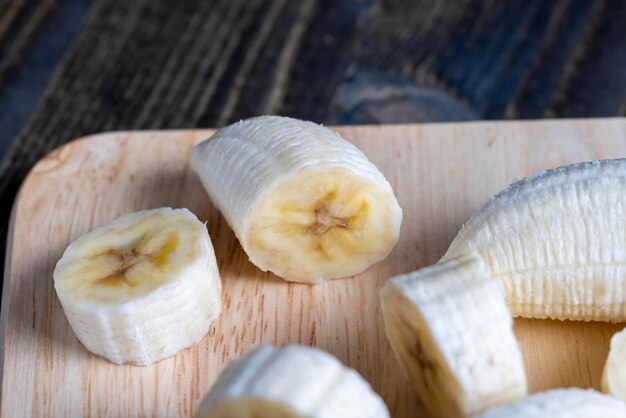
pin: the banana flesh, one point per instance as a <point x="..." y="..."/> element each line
<point x="614" y="374"/>
<point x="290" y="382"/>
<point x="554" y="241"/>
<point x="304" y="203"/>
<point x="562" y="403"/>
<point x="451" y="332"/>
<point x="142" y="287"/>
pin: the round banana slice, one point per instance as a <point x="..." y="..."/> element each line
<point x="561" y="403"/>
<point x="291" y="382"/>
<point x="554" y="241"/>
<point x="614" y="374"/>
<point x="305" y="204"/>
<point x="142" y="287"/>
<point x="452" y="333"/>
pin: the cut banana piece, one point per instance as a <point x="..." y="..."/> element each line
<point x="614" y="374"/>
<point x="305" y="204"/>
<point x="291" y="382"/>
<point x="142" y="287"/>
<point x="561" y="403"/>
<point x="452" y="333"/>
<point x="555" y="242"/>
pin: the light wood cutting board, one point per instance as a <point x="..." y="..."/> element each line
<point x="441" y="173"/>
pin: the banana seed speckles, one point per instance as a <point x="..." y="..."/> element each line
<point x="142" y="287"/>
<point x="305" y="204"/>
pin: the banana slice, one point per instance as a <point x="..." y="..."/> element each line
<point x="561" y="403"/>
<point x="614" y="374"/>
<point x="554" y="241"/>
<point x="305" y="204"/>
<point x="452" y="333"/>
<point x="142" y="287"/>
<point x="291" y="382"/>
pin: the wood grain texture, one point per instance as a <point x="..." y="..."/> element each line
<point x="441" y="175"/>
<point x="164" y="64"/>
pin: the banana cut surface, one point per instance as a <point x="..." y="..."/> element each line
<point x="142" y="287"/>
<point x="452" y="334"/>
<point x="555" y="242"/>
<point x="290" y="382"/>
<point x="304" y="203"/>
<point x="561" y="403"/>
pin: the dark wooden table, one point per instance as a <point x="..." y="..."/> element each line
<point x="74" y="67"/>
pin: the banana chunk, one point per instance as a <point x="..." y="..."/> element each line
<point x="304" y="203"/>
<point x="561" y="403"/>
<point x="291" y="382"/>
<point x="555" y="242"/>
<point x="452" y="333"/>
<point x="614" y="374"/>
<point x="142" y="287"/>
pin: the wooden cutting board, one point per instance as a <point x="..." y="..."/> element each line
<point x="441" y="173"/>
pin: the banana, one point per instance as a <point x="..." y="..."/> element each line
<point x="290" y="382"/>
<point x="555" y="242"/>
<point x="142" y="287"/>
<point x="304" y="203"/>
<point x="614" y="374"/>
<point x="452" y="333"/>
<point x="561" y="403"/>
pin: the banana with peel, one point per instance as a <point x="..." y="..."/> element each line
<point x="304" y="203"/>
<point x="561" y="403"/>
<point x="290" y="382"/>
<point x="555" y="242"/>
<point x="142" y="287"/>
<point x="452" y="333"/>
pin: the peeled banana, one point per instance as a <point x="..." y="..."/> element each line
<point x="555" y="241"/>
<point x="561" y="403"/>
<point x="304" y="203"/>
<point x="614" y="374"/>
<point x="452" y="333"/>
<point x="142" y="287"/>
<point x="290" y="382"/>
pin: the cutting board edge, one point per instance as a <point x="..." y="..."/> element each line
<point x="209" y="131"/>
<point x="99" y="136"/>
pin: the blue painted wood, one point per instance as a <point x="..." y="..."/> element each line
<point x="595" y="83"/>
<point x="21" y="89"/>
